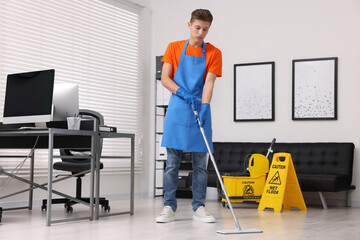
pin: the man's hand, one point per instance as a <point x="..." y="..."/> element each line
<point x="188" y="98"/>
<point x="205" y="108"/>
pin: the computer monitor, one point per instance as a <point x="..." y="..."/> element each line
<point x="28" y="97"/>
<point x="65" y="101"/>
<point x="33" y="97"/>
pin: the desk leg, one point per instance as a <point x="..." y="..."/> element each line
<point x="92" y="170"/>
<point x="132" y="176"/>
<point x="50" y="175"/>
<point x="31" y="180"/>
<point x="97" y="171"/>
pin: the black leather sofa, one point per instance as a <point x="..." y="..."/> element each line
<point x="320" y="167"/>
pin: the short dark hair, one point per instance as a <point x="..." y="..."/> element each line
<point x="201" y="14"/>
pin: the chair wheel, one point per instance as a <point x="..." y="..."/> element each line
<point x="43" y="207"/>
<point x="67" y="205"/>
<point x="69" y="209"/>
<point x="107" y="208"/>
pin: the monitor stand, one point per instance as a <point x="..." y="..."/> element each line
<point x="40" y="125"/>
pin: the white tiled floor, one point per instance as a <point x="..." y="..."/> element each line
<point x="316" y="223"/>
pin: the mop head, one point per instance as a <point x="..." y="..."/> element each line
<point x="239" y="231"/>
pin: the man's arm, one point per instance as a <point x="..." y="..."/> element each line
<point x="208" y="87"/>
<point x="167" y="72"/>
<point x="206" y="97"/>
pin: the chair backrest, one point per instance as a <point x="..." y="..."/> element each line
<point x="90" y="115"/>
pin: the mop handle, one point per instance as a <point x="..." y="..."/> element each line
<point x="216" y="169"/>
<point x="270" y="149"/>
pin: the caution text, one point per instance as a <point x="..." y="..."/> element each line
<point x="278" y="166"/>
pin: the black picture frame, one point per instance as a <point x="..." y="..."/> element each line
<point x="254" y="91"/>
<point x="314" y="89"/>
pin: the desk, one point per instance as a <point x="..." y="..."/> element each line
<point x="64" y="138"/>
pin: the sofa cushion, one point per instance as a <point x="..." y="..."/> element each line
<point x="230" y="156"/>
<point x="323" y="183"/>
<point x="320" y="158"/>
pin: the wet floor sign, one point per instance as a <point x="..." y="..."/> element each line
<point x="282" y="186"/>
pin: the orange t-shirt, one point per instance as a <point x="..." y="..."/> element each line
<point x="213" y="56"/>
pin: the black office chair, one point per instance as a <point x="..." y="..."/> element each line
<point x="78" y="165"/>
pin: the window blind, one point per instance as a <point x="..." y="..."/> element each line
<point x="96" y="44"/>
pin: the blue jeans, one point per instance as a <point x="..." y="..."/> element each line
<point x="171" y="174"/>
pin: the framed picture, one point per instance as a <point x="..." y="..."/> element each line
<point x="314" y="91"/>
<point x="254" y="91"/>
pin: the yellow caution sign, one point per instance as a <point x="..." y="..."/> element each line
<point x="282" y="186"/>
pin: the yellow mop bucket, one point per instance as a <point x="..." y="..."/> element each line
<point x="244" y="188"/>
<point x="248" y="188"/>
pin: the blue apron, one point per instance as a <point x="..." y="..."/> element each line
<point x="180" y="128"/>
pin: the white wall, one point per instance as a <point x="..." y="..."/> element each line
<point x="280" y="31"/>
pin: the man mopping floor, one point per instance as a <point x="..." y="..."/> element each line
<point x="189" y="72"/>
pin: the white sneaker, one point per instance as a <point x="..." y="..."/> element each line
<point x="166" y="215"/>
<point x="202" y="215"/>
